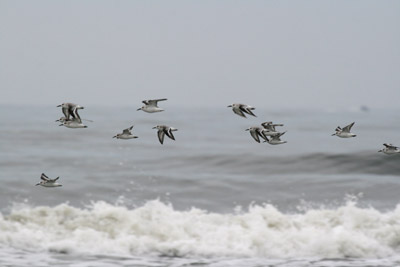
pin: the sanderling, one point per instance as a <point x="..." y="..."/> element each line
<point x="164" y="130"/>
<point x="276" y="139"/>
<point x="240" y="109"/>
<point x="47" y="182"/>
<point x="70" y="109"/>
<point x="390" y="149"/>
<point x="269" y="128"/>
<point x="345" y="132"/>
<point x="74" y="123"/>
<point x="256" y="133"/>
<point x="150" y="106"/>
<point x="126" y="134"/>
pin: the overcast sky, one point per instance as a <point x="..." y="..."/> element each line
<point x="318" y="54"/>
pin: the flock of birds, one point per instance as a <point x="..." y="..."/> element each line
<point x="267" y="131"/>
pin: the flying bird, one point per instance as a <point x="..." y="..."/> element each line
<point x="74" y="123"/>
<point x="390" y="149"/>
<point x="241" y="109"/>
<point x="164" y="130"/>
<point x="70" y="109"/>
<point x="276" y="139"/>
<point x="256" y="133"/>
<point x="126" y="134"/>
<point x="150" y="106"/>
<point x="345" y="132"/>
<point x="47" y="182"/>
<point x="269" y="128"/>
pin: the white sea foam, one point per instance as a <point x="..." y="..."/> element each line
<point x="156" y="228"/>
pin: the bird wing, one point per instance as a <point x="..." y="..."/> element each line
<point x="261" y="133"/>
<point x="53" y="180"/>
<point x="128" y="130"/>
<point x="389" y="146"/>
<point x="267" y="125"/>
<point x="44" y="177"/>
<point x="169" y="133"/>
<point x="278" y="136"/>
<point x="247" y="109"/>
<point x="65" y="110"/>
<point x="348" y="127"/>
<point x="153" y="102"/>
<point x="159" y="99"/>
<point x="75" y="114"/>
<point x="239" y="112"/>
<point x="161" y="134"/>
<point x="255" y="134"/>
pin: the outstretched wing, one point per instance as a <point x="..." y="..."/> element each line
<point x="348" y="127"/>
<point x="267" y="125"/>
<point x="153" y="102"/>
<point x="128" y="130"/>
<point x="169" y="133"/>
<point x="278" y="136"/>
<point x="239" y="112"/>
<point x="390" y="146"/>
<point x="44" y="177"/>
<point x="161" y="134"/>
<point x="160" y="99"/>
<point x="248" y="110"/>
<point x="75" y="114"/>
<point x="65" y="110"/>
<point x="261" y="133"/>
<point x="254" y="133"/>
<point x="53" y="180"/>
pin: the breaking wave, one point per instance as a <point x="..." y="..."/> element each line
<point x="157" y="228"/>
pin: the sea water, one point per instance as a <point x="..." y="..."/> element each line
<point x="213" y="197"/>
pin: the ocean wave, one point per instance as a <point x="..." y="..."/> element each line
<point x="323" y="163"/>
<point x="157" y="228"/>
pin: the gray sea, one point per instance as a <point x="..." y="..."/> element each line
<point x="213" y="197"/>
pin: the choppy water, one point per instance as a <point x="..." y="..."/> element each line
<point x="213" y="197"/>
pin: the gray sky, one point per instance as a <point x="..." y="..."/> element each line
<point x="280" y="54"/>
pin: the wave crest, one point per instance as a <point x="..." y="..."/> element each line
<point x="157" y="228"/>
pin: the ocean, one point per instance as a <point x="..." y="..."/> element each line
<point x="213" y="197"/>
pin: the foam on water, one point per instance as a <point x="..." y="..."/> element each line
<point x="157" y="228"/>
